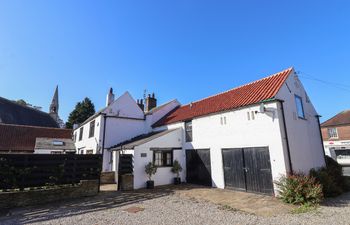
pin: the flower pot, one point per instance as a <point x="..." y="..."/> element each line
<point x="150" y="184"/>
<point x="177" y="180"/>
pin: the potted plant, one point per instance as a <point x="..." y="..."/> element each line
<point x="150" y="170"/>
<point x="177" y="169"/>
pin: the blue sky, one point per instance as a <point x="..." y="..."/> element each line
<point x="178" y="49"/>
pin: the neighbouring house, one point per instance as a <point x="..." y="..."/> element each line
<point x="244" y="138"/>
<point x="122" y="119"/>
<point x="336" y="139"/>
<point x="27" y="139"/>
<point x="54" y="146"/>
<point x="14" y="113"/>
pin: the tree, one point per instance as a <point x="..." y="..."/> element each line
<point x="22" y="102"/>
<point x="83" y="110"/>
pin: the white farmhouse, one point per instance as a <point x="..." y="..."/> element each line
<point x="243" y="139"/>
<point x="122" y="119"/>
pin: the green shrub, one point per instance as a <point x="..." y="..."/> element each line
<point x="150" y="170"/>
<point x="299" y="189"/>
<point x="331" y="178"/>
<point x="177" y="168"/>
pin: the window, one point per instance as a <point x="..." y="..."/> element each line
<point x="92" y="129"/>
<point x="332" y="133"/>
<point x="300" y="107"/>
<point x="188" y="131"/>
<point x="75" y="137"/>
<point x="163" y="158"/>
<point x="253" y="115"/>
<point x="248" y="113"/>
<point x="223" y="120"/>
<point x="81" y="133"/>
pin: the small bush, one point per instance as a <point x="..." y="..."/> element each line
<point x="331" y="178"/>
<point x="150" y="170"/>
<point x="177" y="168"/>
<point x="300" y="189"/>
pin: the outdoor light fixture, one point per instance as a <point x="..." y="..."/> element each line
<point x="262" y="108"/>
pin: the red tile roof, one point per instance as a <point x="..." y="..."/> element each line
<point x="245" y="95"/>
<point x="342" y="118"/>
<point x="19" y="138"/>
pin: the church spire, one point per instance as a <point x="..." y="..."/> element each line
<point x="54" y="106"/>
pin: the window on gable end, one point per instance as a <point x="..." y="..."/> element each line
<point x="188" y="131"/>
<point x="300" y="107"/>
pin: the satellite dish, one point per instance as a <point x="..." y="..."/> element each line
<point x="262" y="108"/>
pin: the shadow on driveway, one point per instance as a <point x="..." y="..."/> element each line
<point x="340" y="201"/>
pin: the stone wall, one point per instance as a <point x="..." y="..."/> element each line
<point x="35" y="197"/>
<point x="108" y="177"/>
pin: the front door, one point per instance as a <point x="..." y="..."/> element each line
<point x="198" y="169"/>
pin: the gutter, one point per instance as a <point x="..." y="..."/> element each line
<point x="286" y="134"/>
<point x="322" y="141"/>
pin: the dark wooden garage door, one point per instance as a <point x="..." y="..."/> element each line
<point x="248" y="169"/>
<point x="198" y="169"/>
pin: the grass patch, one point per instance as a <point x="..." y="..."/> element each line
<point x="305" y="208"/>
<point x="228" y="208"/>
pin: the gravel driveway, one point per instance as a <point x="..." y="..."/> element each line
<point x="165" y="207"/>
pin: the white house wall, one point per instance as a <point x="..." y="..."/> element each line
<point x="238" y="132"/>
<point x="164" y="175"/>
<point x="89" y="143"/>
<point x="304" y="136"/>
<point x="160" y="113"/>
<point x="125" y="106"/>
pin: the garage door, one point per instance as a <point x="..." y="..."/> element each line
<point x="198" y="169"/>
<point x="248" y="169"/>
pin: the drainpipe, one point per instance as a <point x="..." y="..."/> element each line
<point x="319" y="126"/>
<point x="103" y="146"/>
<point x="287" y="140"/>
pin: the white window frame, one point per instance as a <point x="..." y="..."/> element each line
<point x="332" y="132"/>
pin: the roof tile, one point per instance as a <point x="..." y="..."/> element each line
<point x="22" y="138"/>
<point x="248" y="94"/>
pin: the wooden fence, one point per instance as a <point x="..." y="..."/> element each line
<point x="36" y="170"/>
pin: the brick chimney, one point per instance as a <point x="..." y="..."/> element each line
<point x="151" y="102"/>
<point x="140" y="104"/>
<point x="110" y="97"/>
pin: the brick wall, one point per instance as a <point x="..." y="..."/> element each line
<point x="108" y="177"/>
<point x="343" y="133"/>
<point x="35" y="197"/>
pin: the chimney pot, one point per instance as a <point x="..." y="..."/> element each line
<point x="110" y="97"/>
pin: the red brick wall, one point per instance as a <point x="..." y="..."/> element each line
<point x="343" y="133"/>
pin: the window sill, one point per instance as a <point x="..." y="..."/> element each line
<point x="302" y="118"/>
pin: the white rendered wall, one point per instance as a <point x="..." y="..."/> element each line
<point x="238" y="132"/>
<point x="164" y="175"/>
<point x="305" y="141"/>
<point x="89" y="143"/>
